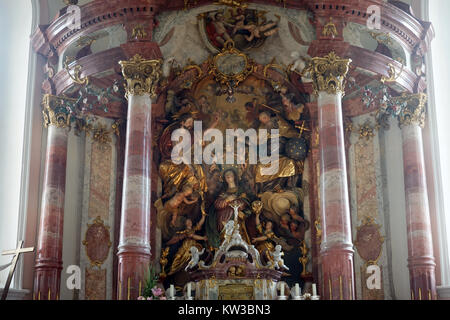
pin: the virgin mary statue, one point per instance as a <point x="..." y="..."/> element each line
<point x="221" y="211"/>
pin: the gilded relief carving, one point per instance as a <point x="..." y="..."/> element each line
<point x="197" y="199"/>
<point x="142" y="76"/>
<point x="247" y="28"/>
<point x="328" y="73"/>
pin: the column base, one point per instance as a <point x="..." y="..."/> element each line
<point x="133" y="271"/>
<point x="47" y="282"/>
<point x="337" y="274"/>
<point x="422" y="277"/>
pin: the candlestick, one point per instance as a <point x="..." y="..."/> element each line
<point x="172" y="290"/>
<point x="189" y="290"/>
<point x="282" y="289"/>
<point x="314" y="290"/>
<point x="297" y="290"/>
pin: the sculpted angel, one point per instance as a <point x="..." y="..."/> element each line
<point x="278" y="261"/>
<point x="190" y="239"/>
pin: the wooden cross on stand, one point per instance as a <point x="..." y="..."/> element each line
<point x="16" y="253"/>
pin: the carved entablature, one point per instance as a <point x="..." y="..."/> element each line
<point x="142" y="75"/>
<point x="103" y="13"/>
<point x="413" y="111"/>
<point x="328" y="73"/>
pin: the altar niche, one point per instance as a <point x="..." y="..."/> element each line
<point x="196" y="199"/>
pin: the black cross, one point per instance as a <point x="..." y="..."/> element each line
<point x="16" y="253"/>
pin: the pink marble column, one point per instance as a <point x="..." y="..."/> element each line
<point x="336" y="251"/>
<point x="421" y="262"/>
<point x="47" y="279"/>
<point x="134" y="243"/>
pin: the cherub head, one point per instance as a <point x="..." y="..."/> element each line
<point x="188" y="223"/>
<point x="194" y="250"/>
<point x="264" y="117"/>
<point x="187" y="190"/>
<point x="269" y="225"/>
<point x="278" y="248"/>
<point x="219" y="16"/>
<point x="293" y="226"/>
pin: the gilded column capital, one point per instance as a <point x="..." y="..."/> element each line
<point x="57" y="111"/>
<point x="328" y="73"/>
<point x="412" y="109"/>
<point x="142" y="75"/>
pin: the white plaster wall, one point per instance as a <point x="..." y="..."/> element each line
<point x="15" y="26"/>
<point x="72" y="208"/>
<point x="395" y="211"/>
<point x="380" y="219"/>
<point x="85" y="177"/>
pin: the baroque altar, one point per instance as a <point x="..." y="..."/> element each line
<point x="236" y="272"/>
<point x="332" y="88"/>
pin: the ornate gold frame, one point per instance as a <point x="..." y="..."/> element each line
<point x="98" y="221"/>
<point x="370" y="221"/>
<point x="235" y="79"/>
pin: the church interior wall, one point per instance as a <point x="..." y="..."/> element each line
<point x="375" y="166"/>
<point x="395" y="211"/>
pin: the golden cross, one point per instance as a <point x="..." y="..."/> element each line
<point x="302" y="128"/>
<point x="16" y="253"/>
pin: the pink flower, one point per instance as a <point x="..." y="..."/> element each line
<point x="163" y="298"/>
<point x="141" y="298"/>
<point x="150" y="298"/>
<point x="157" y="291"/>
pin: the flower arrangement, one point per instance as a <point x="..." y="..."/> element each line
<point x="151" y="290"/>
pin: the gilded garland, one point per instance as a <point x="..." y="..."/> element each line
<point x="56" y="112"/>
<point x="142" y="76"/>
<point x="413" y="113"/>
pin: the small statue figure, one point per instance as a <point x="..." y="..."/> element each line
<point x="195" y="258"/>
<point x="186" y="196"/>
<point x="330" y="30"/>
<point x="278" y="261"/>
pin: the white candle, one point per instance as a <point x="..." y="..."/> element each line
<point x="314" y="289"/>
<point x="172" y="291"/>
<point x="297" y="290"/>
<point x="282" y="289"/>
<point x="189" y="290"/>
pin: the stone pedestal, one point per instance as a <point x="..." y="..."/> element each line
<point x="336" y="253"/>
<point x="134" y="245"/>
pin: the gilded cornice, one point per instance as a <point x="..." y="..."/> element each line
<point x="57" y="111"/>
<point x="142" y="76"/>
<point x="413" y="111"/>
<point x="328" y="73"/>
